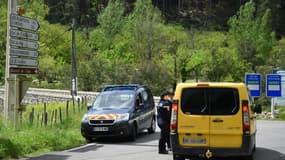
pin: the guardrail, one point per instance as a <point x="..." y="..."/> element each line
<point x="36" y="95"/>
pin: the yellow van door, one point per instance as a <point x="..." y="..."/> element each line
<point x="194" y="131"/>
<point x="225" y="118"/>
<point x="193" y="122"/>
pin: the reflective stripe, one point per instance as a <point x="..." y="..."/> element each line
<point x="103" y="116"/>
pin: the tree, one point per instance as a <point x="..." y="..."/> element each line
<point x="111" y="22"/>
<point x="277" y="57"/>
<point x="144" y="27"/>
<point x="252" y="35"/>
<point x="3" y="31"/>
<point x="213" y="58"/>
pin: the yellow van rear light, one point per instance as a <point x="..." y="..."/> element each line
<point x="245" y="116"/>
<point x="203" y="85"/>
<point x="174" y="112"/>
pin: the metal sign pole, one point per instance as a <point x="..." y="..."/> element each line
<point x="272" y="108"/>
<point x="11" y="83"/>
<point x="21" y="58"/>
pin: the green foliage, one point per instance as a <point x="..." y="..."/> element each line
<point x="143" y="26"/>
<point x="252" y="35"/>
<point x="111" y="19"/>
<point x="123" y="45"/>
<point x="278" y="55"/>
<point x="3" y="32"/>
<point x="281" y="113"/>
<point x="133" y="44"/>
<point x="38" y="139"/>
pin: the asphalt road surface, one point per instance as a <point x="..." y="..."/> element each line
<point x="270" y="146"/>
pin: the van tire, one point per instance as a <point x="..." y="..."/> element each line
<point x="178" y="157"/>
<point x="133" y="134"/>
<point x="152" y="127"/>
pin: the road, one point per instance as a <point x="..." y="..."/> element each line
<point x="270" y="146"/>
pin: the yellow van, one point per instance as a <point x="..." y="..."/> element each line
<point x="213" y="120"/>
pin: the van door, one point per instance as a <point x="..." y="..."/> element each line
<point x="140" y="111"/>
<point x="225" y="117"/>
<point x="193" y="126"/>
<point x="149" y="108"/>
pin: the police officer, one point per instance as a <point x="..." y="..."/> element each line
<point x="163" y="119"/>
<point x="170" y="99"/>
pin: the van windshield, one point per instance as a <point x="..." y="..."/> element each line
<point x="113" y="100"/>
<point x="210" y="101"/>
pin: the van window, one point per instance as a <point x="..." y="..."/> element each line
<point x="194" y="101"/>
<point x="223" y="101"/>
<point x="210" y="101"/>
<point x="110" y="100"/>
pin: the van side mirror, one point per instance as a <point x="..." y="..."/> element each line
<point x="89" y="107"/>
<point x="257" y="109"/>
<point x="139" y="105"/>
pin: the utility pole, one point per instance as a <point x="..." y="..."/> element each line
<point x="74" y="67"/>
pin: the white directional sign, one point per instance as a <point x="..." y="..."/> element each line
<point x="23" y="34"/>
<point x="22" y="52"/>
<point x="24" y="22"/>
<point x="23" y="61"/>
<point x="23" y="43"/>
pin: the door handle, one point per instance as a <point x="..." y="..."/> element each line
<point x="217" y="120"/>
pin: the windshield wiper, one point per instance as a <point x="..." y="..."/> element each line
<point x="203" y="110"/>
<point x="107" y="108"/>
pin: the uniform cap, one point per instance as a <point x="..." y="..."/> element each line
<point x="163" y="93"/>
<point x="171" y="92"/>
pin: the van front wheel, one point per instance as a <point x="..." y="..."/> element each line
<point x="178" y="157"/>
<point x="133" y="134"/>
<point x="152" y="127"/>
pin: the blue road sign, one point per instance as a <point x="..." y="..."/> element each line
<point x="273" y="85"/>
<point x="253" y="83"/>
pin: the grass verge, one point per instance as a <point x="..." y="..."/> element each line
<point x="35" y="139"/>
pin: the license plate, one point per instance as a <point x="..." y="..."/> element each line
<point x="100" y="129"/>
<point x="194" y="140"/>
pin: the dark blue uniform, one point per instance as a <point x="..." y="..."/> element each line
<point x="163" y="119"/>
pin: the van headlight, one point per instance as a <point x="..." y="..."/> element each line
<point x="85" y="118"/>
<point x="123" y="117"/>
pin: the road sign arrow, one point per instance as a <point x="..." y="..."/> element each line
<point x="22" y="52"/>
<point x="23" y="61"/>
<point x="24" y="22"/>
<point x="23" y="34"/>
<point x="23" y="43"/>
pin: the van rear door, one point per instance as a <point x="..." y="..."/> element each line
<point x="225" y="117"/>
<point x="210" y="117"/>
<point x="193" y="126"/>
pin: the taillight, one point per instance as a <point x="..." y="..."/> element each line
<point x="173" y="122"/>
<point x="246" y="117"/>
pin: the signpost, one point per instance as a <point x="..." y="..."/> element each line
<point x="273" y="89"/>
<point x="23" y="43"/>
<point x="24" y="53"/>
<point x="280" y="101"/>
<point x="253" y="82"/>
<point x="23" y="22"/>
<point x="273" y="85"/>
<point x="21" y="59"/>
<point x="23" y="34"/>
<point x="23" y="62"/>
<point x="17" y="70"/>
